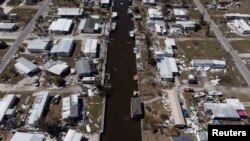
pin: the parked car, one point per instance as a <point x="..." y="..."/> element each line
<point x="188" y="90"/>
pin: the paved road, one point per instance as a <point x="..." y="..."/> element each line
<point x="8" y="55"/>
<point x="225" y="43"/>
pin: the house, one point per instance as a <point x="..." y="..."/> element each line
<point x="89" y="25"/>
<point x="38" y="107"/>
<point x="149" y="2"/>
<point x="225" y="2"/>
<point x="160" y="27"/>
<point x="231" y="109"/>
<point x="241" y="27"/>
<point x="70" y="107"/>
<point x="56" y="67"/>
<point x="25" y="66"/>
<point x="90" y="48"/>
<point x="8" y="27"/>
<point x="20" y="136"/>
<point x="180" y="13"/>
<point x="237" y="16"/>
<point x="63" y="48"/>
<point x="165" y="49"/>
<point x="186" y="25"/>
<point x="154" y="14"/>
<point x="201" y="136"/>
<point x="69" y="12"/>
<point x="61" y="26"/>
<point x="85" y="68"/>
<point x="39" y="45"/>
<point x="6" y="103"/>
<point x="167" y="69"/>
<point x="218" y="64"/>
<point x="105" y="3"/>
<point x="182" y="138"/>
<point x="179" y="120"/>
<point x="72" y="135"/>
<point x="136" y="108"/>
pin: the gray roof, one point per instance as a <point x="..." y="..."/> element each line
<point x="19" y="136"/>
<point x="64" y="46"/>
<point x="70" y="106"/>
<point x="87" y="23"/>
<point x="38" y="107"/>
<point x="25" y="65"/>
<point x="82" y="66"/>
<point x="69" y="11"/>
<point x="61" y="25"/>
<point x="136" y="105"/>
<point x="7" y="25"/>
<point x="5" y="103"/>
<point x="39" y="43"/>
<point x="202" y="136"/>
<point x="181" y="138"/>
<point x="221" y="110"/>
<point x="55" y="67"/>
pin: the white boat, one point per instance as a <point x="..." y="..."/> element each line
<point x="132" y="34"/>
<point x="113" y="26"/>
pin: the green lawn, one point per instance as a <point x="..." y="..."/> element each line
<point x="204" y="49"/>
<point x="25" y="14"/>
<point x="241" y="46"/>
<point x="13" y="2"/>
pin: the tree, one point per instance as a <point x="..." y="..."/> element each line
<point x="52" y="126"/>
<point x="208" y="30"/>
<point x="3" y="45"/>
<point x="202" y="21"/>
<point x="59" y="81"/>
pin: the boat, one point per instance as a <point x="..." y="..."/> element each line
<point x="132" y="34"/>
<point x="113" y="26"/>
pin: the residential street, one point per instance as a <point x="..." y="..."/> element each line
<point x="12" y="50"/>
<point x="224" y="42"/>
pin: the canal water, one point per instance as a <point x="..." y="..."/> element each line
<point x="122" y="67"/>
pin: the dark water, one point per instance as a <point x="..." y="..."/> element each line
<point x="121" y="66"/>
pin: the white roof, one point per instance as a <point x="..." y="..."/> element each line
<point x="38" y="107"/>
<point x="7" y="25"/>
<point x="235" y="103"/>
<point x="154" y="13"/>
<point x="55" y="67"/>
<point x="148" y="1"/>
<point x="170" y="42"/>
<point x="238" y="15"/>
<point x="176" y="109"/>
<point x="186" y="24"/>
<point x="180" y="11"/>
<point x="70" y="106"/>
<point x="167" y="66"/>
<point x="69" y="11"/>
<point x="39" y="44"/>
<point x="5" y="103"/>
<point x="207" y="62"/>
<point x="25" y="65"/>
<point x="241" y="25"/>
<point x="64" y="46"/>
<point x="19" y="136"/>
<point x="90" y="46"/>
<point x="160" y="29"/>
<point x="72" y="135"/>
<point x="61" y="25"/>
<point x="105" y="1"/>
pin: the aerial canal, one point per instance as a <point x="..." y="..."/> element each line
<point x="121" y="66"/>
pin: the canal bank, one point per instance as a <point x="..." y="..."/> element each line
<point x="121" y="66"/>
